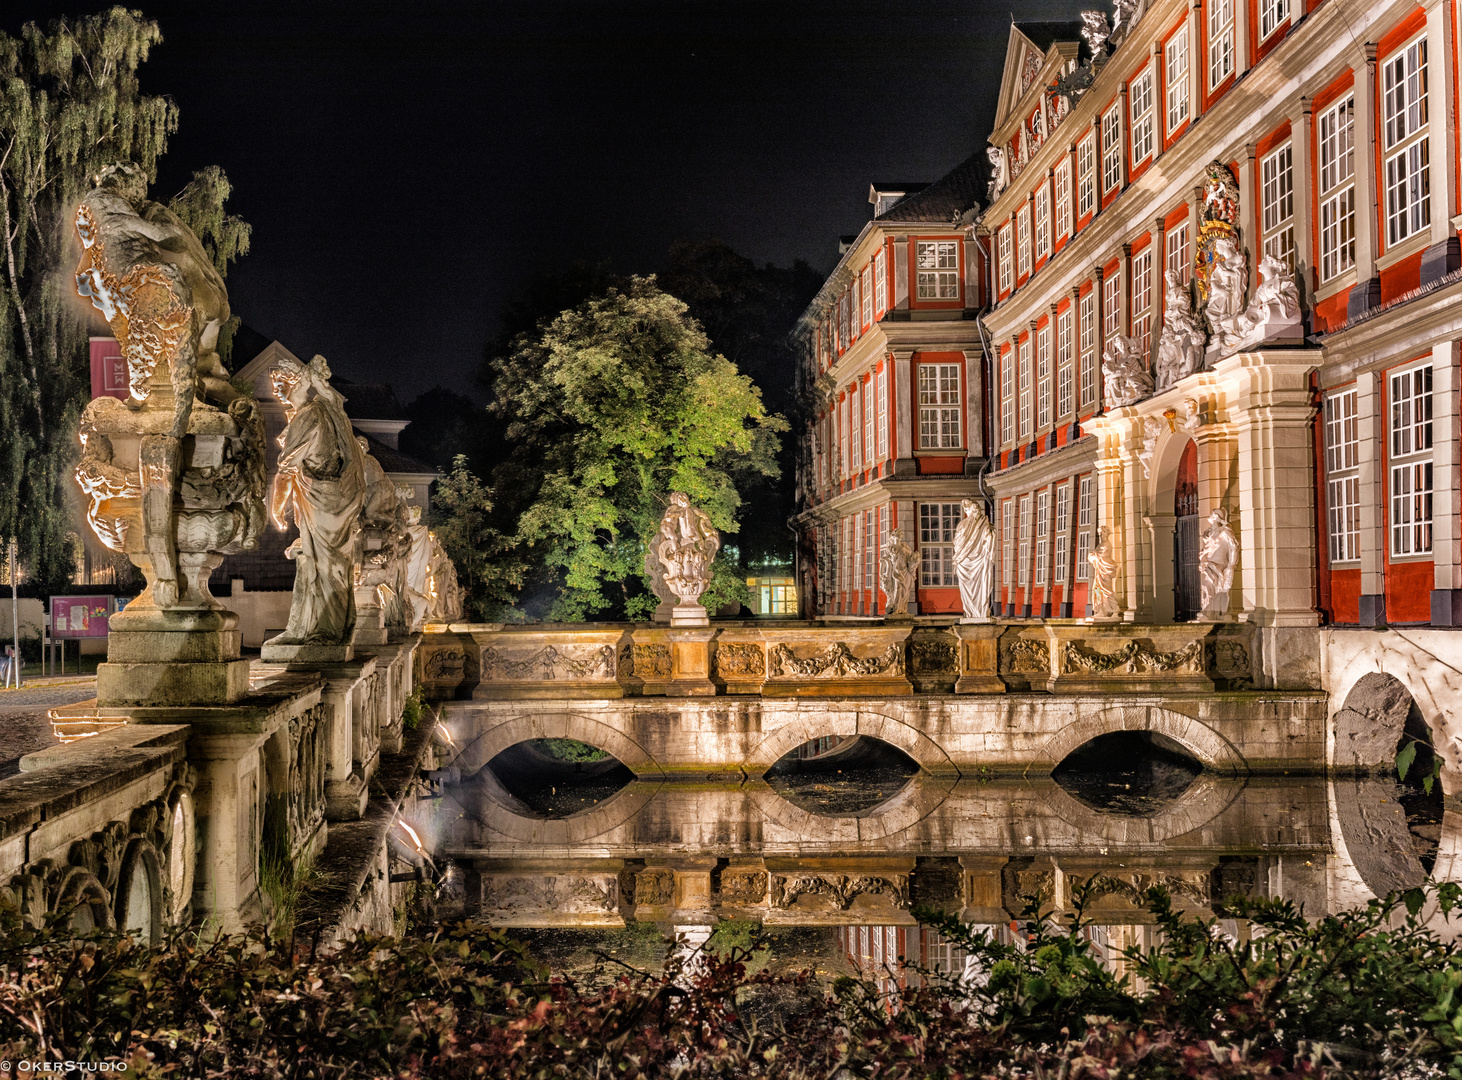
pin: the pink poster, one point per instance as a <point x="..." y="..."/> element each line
<point x="80" y="616"/>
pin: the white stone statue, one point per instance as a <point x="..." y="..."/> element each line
<point x="998" y="176"/>
<point x="685" y="546"/>
<point x="1126" y="16"/>
<point x="1192" y="417"/>
<point x="1228" y="280"/>
<point x="1274" y="312"/>
<point x="1218" y="557"/>
<point x="656" y="573"/>
<point x="1180" y="347"/>
<point x="321" y="484"/>
<point x="898" y="567"/>
<point x="1104" y="567"/>
<point x="103" y="482"/>
<point x="383" y="545"/>
<point x="446" y="593"/>
<point x="1124" y="372"/>
<point x="1151" y="431"/>
<point x="418" y="571"/>
<point x="974" y="562"/>
<point x="1094" y="31"/>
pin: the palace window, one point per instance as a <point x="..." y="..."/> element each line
<point x="1086" y="176"/>
<point x="1140" y="106"/>
<point x="856" y="305"/>
<point x="1142" y="296"/>
<point x="868" y="443"/>
<point x="1277" y="197"/>
<point x="870" y="557"/>
<point x="856" y="581"/>
<point x="1025" y="388"/>
<point x="1043" y="509"/>
<point x="856" y="428"/>
<point x="1088" y="352"/>
<point x="1085" y="511"/>
<point x="1342" y="478"/>
<point x="1408" y="169"/>
<point x="1023" y="549"/>
<point x="1411" y="461"/>
<point x="1111" y="149"/>
<point x="1023" y="241"/>
<point x="867" y="298"/>
<point x="1220" y="41"/>
<point x="1179" y="256"/>
<point x="846" y="584"/>
<point x="938" y="268"/>
<point x="844" y="461"/>
<point x="1007" y="266"/>
<point x="939" y="406"/>
<point x="1178" y="93"/>
<point x="883" y="515"/>
<point x="1063" y="525"/>
<point x="1005" y="540"/>
<point x="1007" y="396"/>
<point x="1272" y="15"/>
<point x="883" y="413"/>
<point x="1337" y="189"/>
<point x="1043" y="221"/>
<point x="1063" y="198"/>
<point x="1065" y="373"/>
<point x="1043" y="377"/>
<point x="1112" y="309"/>
<point x="937" y="522"/>
<point x="880" y="284"/>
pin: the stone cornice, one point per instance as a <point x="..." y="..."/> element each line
<point x="1057" y="465"/>
<point x="1406" y="332"/>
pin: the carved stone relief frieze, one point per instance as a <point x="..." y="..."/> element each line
<point x="740" y="660"/>
<point x="743" y="885"/>
<point x="1028" y="655"/>
<point x="933" y="658"/>
<point x="837" y="660"/>
<point x="1133" y="658"/>
<point x="549" y="663"/>
<point x="645" y="661"/>
<point x="838" y="889"/>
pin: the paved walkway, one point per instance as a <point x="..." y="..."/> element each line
<point x="24" y="725"/>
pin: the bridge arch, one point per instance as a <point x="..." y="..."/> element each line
<point x="557" y="725"/>
<point x="807" y="724"/>
<point x="1202" y="741"/>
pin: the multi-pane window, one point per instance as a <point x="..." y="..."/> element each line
<point x="937" y="263"/>
<point x="870" y="558"/>
<point x="1063" y="198"/>
<point x="1411" y="461"/>
<point x="1337" y="188"/>
<point x="1176" y="54"/>
<point x="856" y="428"/>
<point x="1007" y="396"/>
<point x="1043" y="522"/>
<point x="856" y="304"/>
<point x="1111" y="309"/>
<point x="938" y="406"/>
<point x="883" y="414"/>
<point x="1140" y="107"/>
<point x="856" y="581"/>
<point x="1088" y="352"/>
<point x="1024" y="407"/>
<point x="1007" y="265"/>
<point x="1342" y="479"/>
<point x="1043" y="221"/>
<point x="867" y="298"/>
<point x="883" y="516"/>
<point x="844" y="461"/>
<point x="1272" y="15"/>
<point x="1023" y="241"/>
<point x="1086" y="176"/>
<point x="1085" y="511"/>
<point x="1043" y="377"/>
<point x="1178" y="254"/>
<point x="880" y="284"/>
<point x="1023" y="548"/>
<point x="1006" y="528"/>
<point x="868" y="442"/>
<point x="1063" y="525"/>
<point x="1277" y="198"/>
<point x="937" y="522"/>
<point x="1141" y="296"/>
<point x="845" y="585"/>
<point x="1408" y="169"/>
<point x="1111" y="149"/>
<point x="1220" y="41"/>
<point x="1065" y="369"/>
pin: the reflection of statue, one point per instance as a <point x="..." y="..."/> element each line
<point x="1104" y="566"/>
<point x="1228" y="278"/>
<point x="321" y="483"/>
<point x="1180" y="348"/>
<point x="102" y="482"/>
<point x="685" y="545"/>
<point x="1124" y="372"/>
<point x="1218" y="556"/>
<point x="974" y="562"/>
<point x="898" y="564"/>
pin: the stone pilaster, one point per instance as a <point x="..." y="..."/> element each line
<point x="1446" y="486"/>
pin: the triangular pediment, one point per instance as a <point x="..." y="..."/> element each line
<point x="1023" y="60"/>
<point x="1035" y="56"/>
<point x="257" y="370"/>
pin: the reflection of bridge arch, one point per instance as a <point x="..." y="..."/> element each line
<point x="1207" y="745"/>
<point x="1204" y="800"/>
<point x="806" y="724"/>
<point x="557" y="725"/>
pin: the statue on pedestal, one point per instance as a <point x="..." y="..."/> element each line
<point x="321" y="483"/>
<point x="1104" y="567"/>
<point x="898" y="568"/>
<point x="1218" y="557"/>
<point x="1228" y="280"/>
<point x="685" y="546"/>
<point x="974" y="562"/>
<point x="1180" y="347"/>
<point x="383" y="545"/>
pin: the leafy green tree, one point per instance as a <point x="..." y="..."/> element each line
<point x="70" y="104"/>
<point x="488" y="572"/>
<point x="610" y="407"/>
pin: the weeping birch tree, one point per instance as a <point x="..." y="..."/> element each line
<point x="70" y="104"/>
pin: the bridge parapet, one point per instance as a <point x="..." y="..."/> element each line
<point x="805" y="659"/>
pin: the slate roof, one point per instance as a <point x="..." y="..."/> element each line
<point x="369" y="401"/>
<point x="1045" y="34"/>
<point x="394" y="461"/>
<point x="953" y="193"/>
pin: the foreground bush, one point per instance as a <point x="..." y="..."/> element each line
<point x="1369" y="992"/>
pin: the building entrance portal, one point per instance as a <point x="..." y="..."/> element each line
<point x="1186" y="599"/>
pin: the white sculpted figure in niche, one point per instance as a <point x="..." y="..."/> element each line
<point x="321" y="483"/>
<point x="1104" y="566"/>
<point x="685" y="545"/>
<point x="1218" y="557"/>
<point x="1180" y="348"/>
<point x="146" y="272"/>
<point x="1124" y="372"/>
<point x="1228" y="278"/>
<point x="898" y="564"/>
<point x="974" y="562"/>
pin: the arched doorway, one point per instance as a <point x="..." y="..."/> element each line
<point x="1186" y="597"/>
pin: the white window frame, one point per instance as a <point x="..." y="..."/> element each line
<point x="1112" y="149"/>
<point x="1043" y="377"/>
<point x="867" y="276"/>
<point x="1063" y="528"/>
<point x="1276" y="199"/>
<point x="1063" y="198"/>
<point x="1007" y="395"/>
<point x="855" y="411"/>
<point x="1023" y="400"/>
<point x="1406" y="165"/>
<point x="1335" y="131"/>
<point x="1023" y="547"/>
<point x="1088" y="351"/>
<point x="870" y="553"/>
<point x="1410" y="401"/>
<point x="1142" y="297"/>
<point x="1220" y="14"/>
<point x="937" y="265"/>
<point x="1043" y="222"/>
<point x="1023" y="242"/>
<point x="845" y="462"/>
<point x="939" y="407"/>
<point x="1007" y="531"/>
<point x="1178" y="85"/>
<point x="855" y="583"/>
<point x="1179" y="254"/>
<point x="1065" y="367"/>
<point x="1007" y="263"/>
<point x="868" y="423"/>
<point x="1085" y="519"/>
<point x="883" y="413"/>
<point x="937" y="523"/>
<point x="855" y="302"/>
<point x="1272" y="15"/>
<point x="1043" y="526"/>
<point x="1342" y="474"/>
<point x="1086" y="176"/>
<point x="880" y="284"/>
<point x="1111" y="309"/>
<point x="1142" y="123"/>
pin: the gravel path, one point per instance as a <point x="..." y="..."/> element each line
<point x="24" y="725"/>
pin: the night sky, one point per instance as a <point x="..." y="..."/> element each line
<point x="406" y="165"/>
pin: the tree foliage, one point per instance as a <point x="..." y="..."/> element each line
<point x="70" y="103"/>
<point x="488" y="572"/>
<point x="610" y="407"/>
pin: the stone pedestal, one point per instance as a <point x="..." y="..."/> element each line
<point x="690" y="670"/>
<point x="370" y="618"/>
<point x="172" y="657"/>
<point x="979" y="658"/>
<point x="689" y="615"/>
<point x="301" y="655"/>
